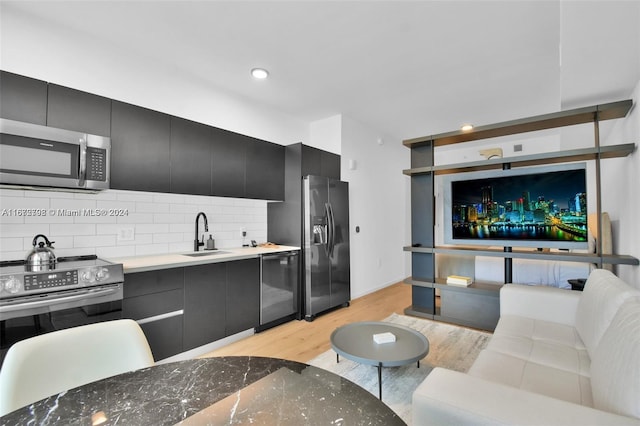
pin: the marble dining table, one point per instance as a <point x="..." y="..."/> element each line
<point x="213" y="391"/>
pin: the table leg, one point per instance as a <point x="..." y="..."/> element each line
<point x="380" y="380"/>
<point x="418" y="363"/>
<point x="337" y="358"/>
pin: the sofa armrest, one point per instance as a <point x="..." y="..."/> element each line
<point x="539" y="302"/>
<point x="448" y="397"/>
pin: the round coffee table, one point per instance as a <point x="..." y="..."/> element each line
<point x="355" y="342"/>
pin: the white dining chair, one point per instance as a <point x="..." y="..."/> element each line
<point x="50" y="363"/>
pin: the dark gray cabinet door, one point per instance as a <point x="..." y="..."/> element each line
<point x="228" y="162"/>
<point x="164" y="337"/>
<point x="243" y="295"/>
<point x="265" y="170"/>
<point x="318" y="162"/>
<point x="140" y="148"/>
<point x="190" y="157"/>
<point x="141" y="283"/>
<point x="23" y="98"/>
<point x="330" y="165"/>
<point x="149" y="294"/>
<point x="204" y="310"/>
<point x="80" y="111"/>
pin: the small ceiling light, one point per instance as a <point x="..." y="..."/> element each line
<point x="467" y="127"/>
<point x="259" y="73"/>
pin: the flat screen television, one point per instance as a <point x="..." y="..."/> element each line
<point x="542" y="207"/>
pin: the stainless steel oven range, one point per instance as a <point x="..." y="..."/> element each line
<point x="74" y="291"/>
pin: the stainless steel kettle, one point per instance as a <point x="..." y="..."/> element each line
<point x="41" y="258"/>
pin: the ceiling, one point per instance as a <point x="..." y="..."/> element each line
<point x="404" y="68"/>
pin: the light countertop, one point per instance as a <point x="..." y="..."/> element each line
<point x="175" y="260"/>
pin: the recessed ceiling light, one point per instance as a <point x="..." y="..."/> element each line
<point x="260" y="73"/>
<point x="467" y="127"/>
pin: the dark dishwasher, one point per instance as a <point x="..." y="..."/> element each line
<point x="278" y="288"/>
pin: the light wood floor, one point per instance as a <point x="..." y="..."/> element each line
<point x="302" y="341"/>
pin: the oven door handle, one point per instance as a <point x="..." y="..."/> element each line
<point x="46" y="301"/>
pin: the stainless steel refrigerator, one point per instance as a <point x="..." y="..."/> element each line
<point x="326" y="245"/>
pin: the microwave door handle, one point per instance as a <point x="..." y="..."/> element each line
<point x="82" y="173"/>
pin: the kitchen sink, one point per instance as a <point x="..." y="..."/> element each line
<point x="205" y="253"/>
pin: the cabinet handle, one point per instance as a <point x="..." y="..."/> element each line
<point x="160" y="317"/>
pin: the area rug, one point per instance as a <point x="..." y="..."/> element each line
<point x="450" y="347"/>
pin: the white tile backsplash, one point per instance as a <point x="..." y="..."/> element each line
<point x="162" y="223"/>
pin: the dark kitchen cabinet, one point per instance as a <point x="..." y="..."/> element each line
<point x="243" y="295"/>
<point x="80" y="111"/>
<point x="264" y="170"/>
<point x="204" y="311"/>
<point x="228" y="163"/>
<point x="190" y="157"/>
<point x="155" y="300"/>
<point x="284" y="220"/>
<point x="23" y="98"/>
<point x="164" y="337"/>
<point x="152" y="151"/>
<point x="318" y="162"/>
<point x="140" y="148"/>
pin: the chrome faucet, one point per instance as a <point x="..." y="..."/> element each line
<point x="196" y="243"/>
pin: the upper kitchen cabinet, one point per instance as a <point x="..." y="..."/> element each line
<point x="190" y="157"/>
<point x="80" y="111"/>
<point x="265" y="170"/>
<point x="320" y="163"/>
<point x="23" y="98"/>
<point x="140" y="148"/>
<point x="228" y="162"/>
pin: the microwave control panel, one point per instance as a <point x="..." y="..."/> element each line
<point x="96" y="164"/>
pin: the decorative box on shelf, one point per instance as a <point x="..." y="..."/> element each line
<point x="459" y="280"/>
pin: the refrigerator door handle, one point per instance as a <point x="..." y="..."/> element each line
<point x="332" y="230"/>
<point x="329" y="228"/>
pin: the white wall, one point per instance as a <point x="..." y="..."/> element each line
<point x="378" y="204"/>
<point x="620" y="183"/>
<point x="326" y="134"/>
<point x="160" y="223"/>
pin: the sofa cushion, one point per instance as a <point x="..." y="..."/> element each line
<point x="603" y="294"/>
<point x="533" y="377"/>
<point x="615" y="365"/>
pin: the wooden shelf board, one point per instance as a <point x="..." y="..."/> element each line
<point x="418" y="312"/>
<point x="476" y="286"/>
<point x="612" y="259"/>
<point x="418" y="282"/>
<point x="582" y="154"/>
<point x="530" y="124"/>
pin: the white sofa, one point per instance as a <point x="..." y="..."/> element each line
<point x="557" y="357"/>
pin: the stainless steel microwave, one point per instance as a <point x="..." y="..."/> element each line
<point x="41" y="156"/>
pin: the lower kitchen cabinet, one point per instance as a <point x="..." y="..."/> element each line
<point x="204" y="302"/>
<point x="155" y="300"/>
<point x="164" y="336"/>
<point x="243" y="295"/>
<point x="180" y="309"/>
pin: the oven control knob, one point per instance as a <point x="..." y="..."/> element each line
<point x="12" y="285"/>
<point x="87" y="276"/>
<point x="102" y="274"/>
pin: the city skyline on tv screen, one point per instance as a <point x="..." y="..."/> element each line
<point x="549" y="206"/>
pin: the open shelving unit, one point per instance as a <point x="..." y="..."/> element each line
<point x="477" y="305"/>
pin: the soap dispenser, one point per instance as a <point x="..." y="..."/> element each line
<point x="211" y="244"/>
